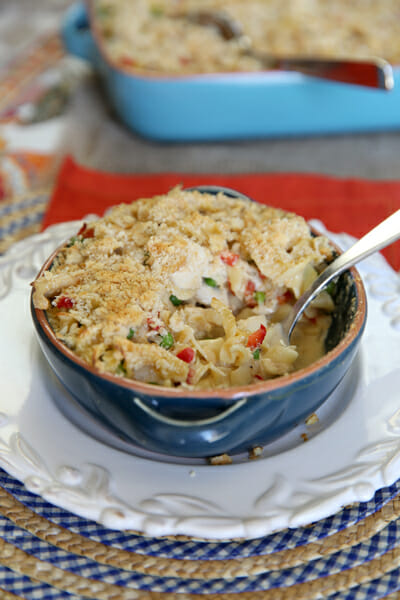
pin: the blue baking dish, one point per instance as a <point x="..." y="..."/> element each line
<point x="230" y="105"/>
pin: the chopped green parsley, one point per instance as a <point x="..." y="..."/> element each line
<point x="121" y="369"/>
<point x="146" y="257"/>
<point x="156" y="10"/>
<point x="259" y="297"/>
<point x="210" y="281"/>
<point x="331" y="287"/>
<point x="167" y="341"/>
<point x="72" y="241"/>
<point x="175" y="301"/>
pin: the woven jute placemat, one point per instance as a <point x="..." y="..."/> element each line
<point x="46" y="552"/>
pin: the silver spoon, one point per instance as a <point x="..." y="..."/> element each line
<point x="372" y="72"/>
<point x="387" y="232"/>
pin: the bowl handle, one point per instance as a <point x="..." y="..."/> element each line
<point x="76" y="33"/>
<point x="184" y="437"/>
<point x="216" y="419"/>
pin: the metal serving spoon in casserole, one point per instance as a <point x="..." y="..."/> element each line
<point x="372" y="72"/>
<point x="379" y="237"/>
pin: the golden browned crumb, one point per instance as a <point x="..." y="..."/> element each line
<point x="255" y="452"/>
<point x="221" y="459"/>
<point x="312" y="420"/>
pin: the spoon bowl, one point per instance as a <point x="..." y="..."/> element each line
<point x="384" y="234"/>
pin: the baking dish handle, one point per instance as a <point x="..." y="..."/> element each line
<point x="76" y="33"/>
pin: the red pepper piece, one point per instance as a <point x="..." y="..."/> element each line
<point x="89" y="233"/>
<point x="65" y="302"/>
<point x="312" y="320"/>
<point x="187" y="355"/>
<point x="286" y="297"/>
<point x="256" y="338"/>
<point x="86" y="232"/>
<point x="249" y="294"/>
<point x="229" y="258"/>
<point x="151" y="324"/>
<point x="190" y="376"/>
<point x="127" y="61"/>
<point x="250" y="288"/>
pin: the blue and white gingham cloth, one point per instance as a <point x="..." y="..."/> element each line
<point x="376" y="546"/>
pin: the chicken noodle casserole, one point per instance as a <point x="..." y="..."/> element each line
<point x="159" y="35"/>
<point x="187" y="289"/>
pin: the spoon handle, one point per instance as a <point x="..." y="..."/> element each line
<point x="374" y="72"/>
<point x="384" y="234"/>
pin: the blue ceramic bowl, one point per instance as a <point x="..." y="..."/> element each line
<point x="183" y="423"/>
<point x="221" y="106"/>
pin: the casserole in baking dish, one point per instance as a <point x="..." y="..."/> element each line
<point x="205" y="36"/>
<point x="210" y="105"/>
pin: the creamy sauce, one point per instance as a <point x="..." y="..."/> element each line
<point x="309" y="338"/>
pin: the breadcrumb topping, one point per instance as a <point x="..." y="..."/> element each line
<point x="185" y="288"/>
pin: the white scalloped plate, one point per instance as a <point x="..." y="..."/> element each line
<point x="351" y="452"/>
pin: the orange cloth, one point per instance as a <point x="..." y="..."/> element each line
<point x="21" y="172"/>
<point x="351" y="205"/>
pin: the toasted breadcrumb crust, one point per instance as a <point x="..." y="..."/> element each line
<point x="185" y="288"/>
